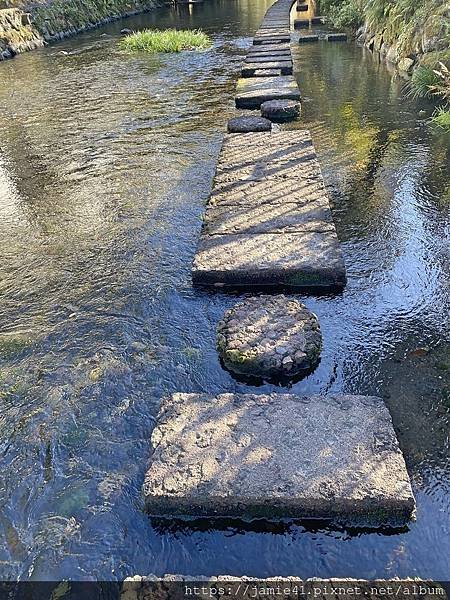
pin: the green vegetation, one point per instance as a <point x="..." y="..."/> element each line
<point x="63" y="15"/>
<point x="434" y="84"/>
<point x="344" y="14"/>
<point x="170" y="40"/>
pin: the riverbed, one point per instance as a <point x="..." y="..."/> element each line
<point x="106" y="162"/>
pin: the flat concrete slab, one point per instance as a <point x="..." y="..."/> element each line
<point x="285" y="67"/>
<point x="301" y="23"/>
<point x="267" y="48"/>
<point x="318" y="20"/>
<point x="263" y="58"/>
<point x="248" y="123"/>
<point x="306" y="39"/>
<point x="251" y="93"/>
<point x="273" y="218"/>
<point x="261" y="52"/>
<point x="311" y="261"/>
<point x="337" y="37"/>
<point x="272" y="456"/>
<point x="260" y="72"/>
<point x="271" y="39"/>
<point x="268" y="221"/>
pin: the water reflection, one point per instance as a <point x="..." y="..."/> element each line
<point x="106" y="161"/>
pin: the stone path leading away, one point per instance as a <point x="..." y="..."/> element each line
<point x="268" y="221"/>
<point x="332" y="457"/>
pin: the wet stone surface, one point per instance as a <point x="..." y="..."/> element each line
<point x="269" y="336"/>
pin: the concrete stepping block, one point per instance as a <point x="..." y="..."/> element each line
<point x="281" y="110"/>
<point x="251" y="58"/>
<point x="271" y="39"/>
<point x="317" y="20"/>
<point x="269" y="49"/>
<point x="301" y="23"/>
<point x="275" y="456"/>
<point x="306" y="39"/>
<point x="251" y="93"/>
<point x="284" y="66"/>
<point x="310" y="261"/>
<point x="270" y="218"/>
<point x="269" y="337"/>
<point x="248" y="123"/>
<point x="337" y="37"/>
<point x="260" y="72"/>
<point x="302" y="7"/>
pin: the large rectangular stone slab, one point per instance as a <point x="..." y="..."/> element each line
<point x="271" y="39"/>
<point x="251" y="93"/>
<point x="310" y="261"/>
<point x="272" y="218"/>
<point x="285" y="67"/>
<point x="272" y="456"/>
<point x="252" y="58"/>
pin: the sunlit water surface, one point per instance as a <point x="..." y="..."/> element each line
<point x="105" y="165"/>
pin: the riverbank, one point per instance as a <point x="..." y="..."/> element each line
<point x="24" y="28"/>
<point x="407" y="34"/>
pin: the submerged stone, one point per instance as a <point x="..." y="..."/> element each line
<point x="269" y="337"/>
<point x="274" y="456"/>
<point x="337" y="37"/>
<point x="245" y="124"/>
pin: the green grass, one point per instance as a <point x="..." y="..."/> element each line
<point x="441" y="118"/>
<point x="422" y="82"/>
<point x="169" y="40"/>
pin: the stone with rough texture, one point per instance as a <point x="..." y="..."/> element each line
<point x="284" y="66"/>
<point x="269" y="337"/>
<point x="252" y="92"/>
<point x="271" y="39"/>
<point x="248" y="123"/>
<point x="281" y="110"/>
<point x="268" y="221"/>
<point x="271" y="456"/>
<point x="305" y="39"/>
<point x="337" y="37"/>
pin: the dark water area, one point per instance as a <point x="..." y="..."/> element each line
<point x="106" y="162"/>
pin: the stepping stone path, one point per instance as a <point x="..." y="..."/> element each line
<point x="252" y="92"/>
<point x="246" y="124"/>
<point x="269" y="337"/>
<point x="281" y="110"/>
<point x="269" y="456"/>
<point x="268" y="222"/>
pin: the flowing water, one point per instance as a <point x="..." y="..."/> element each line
<point x="105" y="165"/>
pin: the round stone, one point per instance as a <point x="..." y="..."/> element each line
<point x="269" y="337"/>
<point x="246" y="124"/>
<point x="281" y="110"/>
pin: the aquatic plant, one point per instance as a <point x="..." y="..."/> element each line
<point x="169" y="40"/>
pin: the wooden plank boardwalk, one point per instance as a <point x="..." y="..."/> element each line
<point x="268" y="222"/>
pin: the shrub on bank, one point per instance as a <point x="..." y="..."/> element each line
<point x="169" y="40"/>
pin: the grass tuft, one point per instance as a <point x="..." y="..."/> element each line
<point x="169" y="40"/>
<point x="441" y="118"/>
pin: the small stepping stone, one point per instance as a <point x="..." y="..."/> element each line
<point x="285" y="67"/>
<point x="251" y="58"/>
<point x="264" y="73"/>
<point x="273" y="456"/>
<point x="245" y="124"/>
<point x="301" y="23"/>
<point x="270" y="39"/>
<point x="281" y="110"/>
<point x="302" y="8"/>
<point x="305" y="39"/>
<point x="270" y="337"/>
<point x="337" y="37"/>
<point x="317" y="20"/>
<point x="251" y="93"/>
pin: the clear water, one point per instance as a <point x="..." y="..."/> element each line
<point x="105" y="165"/>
